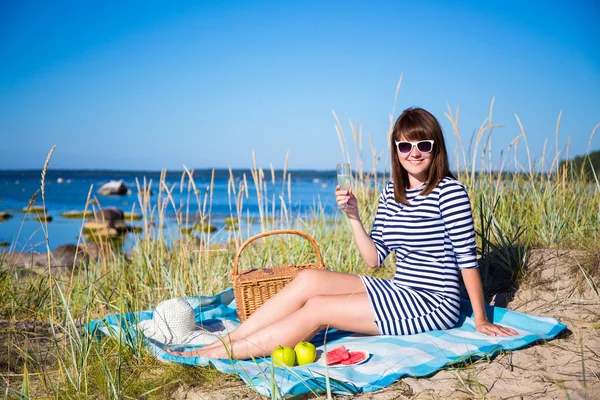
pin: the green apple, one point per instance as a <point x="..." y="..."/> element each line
<point x="305" y="353"/>
<point x="284" y="355"/>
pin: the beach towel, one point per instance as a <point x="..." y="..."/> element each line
<point x="390" y="357"/>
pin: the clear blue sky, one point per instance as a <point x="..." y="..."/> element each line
<point x="151" y="85"/>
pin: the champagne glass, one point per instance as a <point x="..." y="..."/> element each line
<point x="344" y="178"/>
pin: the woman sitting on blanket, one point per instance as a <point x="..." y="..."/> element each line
<point x="424" y="216"/>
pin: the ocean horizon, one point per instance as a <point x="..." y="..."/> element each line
<point x="202" y="171"/>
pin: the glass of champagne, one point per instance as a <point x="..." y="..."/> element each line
<point x="344" y="178"/>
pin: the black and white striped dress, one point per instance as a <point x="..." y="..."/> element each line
<point x="433" y="238"/>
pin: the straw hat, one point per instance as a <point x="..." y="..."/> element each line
<point x="174" y="323"/>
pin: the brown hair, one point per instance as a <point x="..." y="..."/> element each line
<point x="419" y="124"/>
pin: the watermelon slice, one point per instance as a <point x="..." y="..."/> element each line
<point x="356" y="357"/>
<point x="337" y="355"/>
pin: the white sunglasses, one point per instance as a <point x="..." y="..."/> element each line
<point x="424" y="146"/>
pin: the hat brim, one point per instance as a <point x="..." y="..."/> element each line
<point x="199" y="337"/>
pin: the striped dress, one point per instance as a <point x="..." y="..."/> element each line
<point x="433" y="238"/>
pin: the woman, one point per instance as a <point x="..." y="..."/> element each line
<point x="424" y="216"/>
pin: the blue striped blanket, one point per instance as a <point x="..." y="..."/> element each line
<point x="391" y="357"/>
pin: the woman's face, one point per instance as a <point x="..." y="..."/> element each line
<point x="415" y="163"/>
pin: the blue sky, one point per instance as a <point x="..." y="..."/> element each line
<point x="151" y="85"/>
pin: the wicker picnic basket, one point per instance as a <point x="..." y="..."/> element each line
<point x="254" y="287"/>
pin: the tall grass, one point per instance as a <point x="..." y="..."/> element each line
<point x="515" y="207"/>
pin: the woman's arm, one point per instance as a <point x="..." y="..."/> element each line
<point x="365" y="244"/>
<point x="475" y="290"/>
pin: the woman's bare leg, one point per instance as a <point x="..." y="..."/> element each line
<point x="309" y="283"/>
<point x="350" y="312"/>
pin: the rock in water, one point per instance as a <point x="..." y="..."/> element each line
<point x="34" y="209"/>
<point x="107" y="222"/>
<point x="73" y="214"/>
<point x="113" y="188"/>
<point x="109" y="215"/>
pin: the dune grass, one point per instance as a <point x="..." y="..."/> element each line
<point x="46" y="354"/>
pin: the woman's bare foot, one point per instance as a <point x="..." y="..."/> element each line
<point x="214" y="352"/>
<point x="191" y="353"/>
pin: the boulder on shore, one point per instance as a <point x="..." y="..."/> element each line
<point x="30" y="261"/>
<point x="68" y="255"/>
<point x="113" y="188"/>
<point x="62" y="260"/>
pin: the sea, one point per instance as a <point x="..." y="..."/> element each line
<point x="67" y="190"/>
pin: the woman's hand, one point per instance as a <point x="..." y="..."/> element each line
<point x="475" y="289"/>
<point x="346" y="197"/>
<point x="491" y="329"/>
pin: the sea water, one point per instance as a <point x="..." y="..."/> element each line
<point x="68" y="190"/>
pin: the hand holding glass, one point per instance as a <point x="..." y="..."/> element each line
<point x="344" y="178"/>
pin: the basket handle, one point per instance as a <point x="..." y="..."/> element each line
<point x="277" y="232"/>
